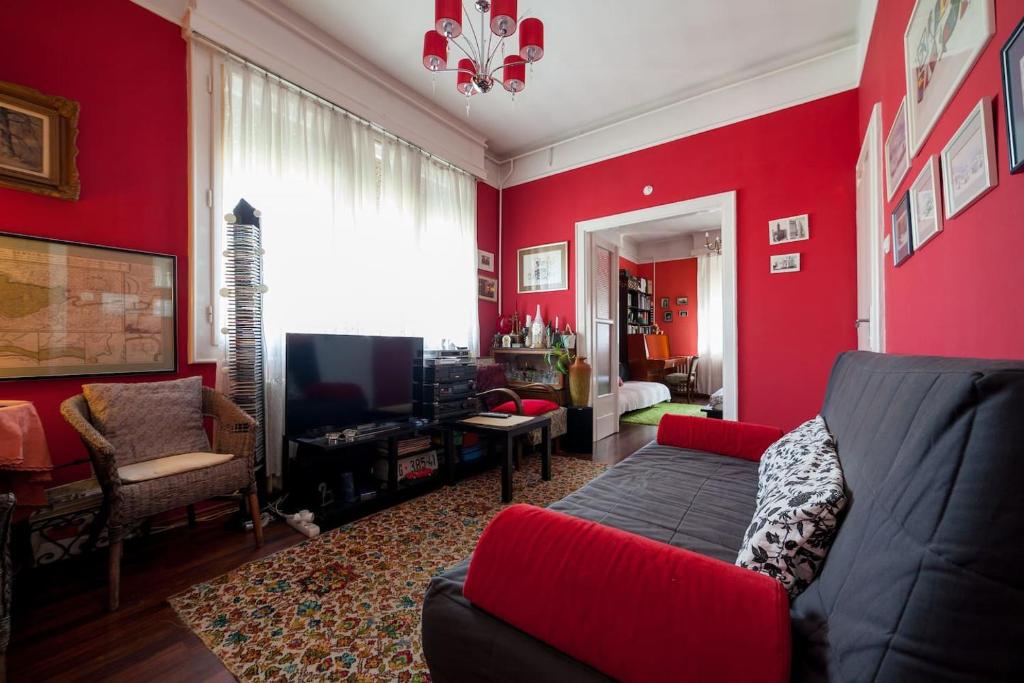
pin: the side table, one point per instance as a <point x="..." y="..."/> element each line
<point x="504" y="432"/>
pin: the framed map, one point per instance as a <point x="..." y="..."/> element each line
<point x="69" y="309"/>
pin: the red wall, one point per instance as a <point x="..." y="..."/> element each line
<point x="672" y="279"/>
<point x="799" y="160"/>
<point x="126" y="67"/>
<point x="487" y="239"/>
<point x="960" y="294"/>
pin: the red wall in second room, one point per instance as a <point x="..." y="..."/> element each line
<point x="798" y="160"/>
<point x="960" y="294"/>
<point x="673" y="279"/>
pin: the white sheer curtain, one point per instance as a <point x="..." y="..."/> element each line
<point x="710" y="324"/>
<point x="363" y="233"/>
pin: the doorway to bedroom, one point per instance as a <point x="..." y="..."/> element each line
<point x="657" y="296"/>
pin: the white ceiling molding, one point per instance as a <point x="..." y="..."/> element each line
<point x="273" y="37"/>
<point x="812" y="79"/>
<point x="865" y="24"/>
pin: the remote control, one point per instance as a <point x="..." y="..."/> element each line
<point x="500" y="416"/>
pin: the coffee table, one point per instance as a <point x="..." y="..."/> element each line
<point x="504" y="432"/>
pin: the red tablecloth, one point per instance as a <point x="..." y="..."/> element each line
<point x="25" y="463"/>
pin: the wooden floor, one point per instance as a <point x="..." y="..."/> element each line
<point x="61" y="631"/>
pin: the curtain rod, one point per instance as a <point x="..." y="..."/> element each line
<point x="322" y="100"/>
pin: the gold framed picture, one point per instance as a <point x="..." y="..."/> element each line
<point x="486" y="288"/>
<point x="38" y="142"/>
<point x="69" y="309"/>
<point x="544" y="268"/>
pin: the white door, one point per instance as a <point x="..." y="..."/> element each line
<point x="604" y="344"/>
<point x="870" y="320"/>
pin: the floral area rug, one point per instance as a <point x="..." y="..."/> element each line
<point x="345" y="606"/>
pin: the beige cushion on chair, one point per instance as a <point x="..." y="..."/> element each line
<point x="171" y="464"/>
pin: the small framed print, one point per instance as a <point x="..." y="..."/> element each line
<point x="926" y="221"/>
<point x="902" y="244"/>
<point x="666" y="317"/>
<point x="1013" y="95"/>
<point x="664" y="302"/>
<point x="38" y="142"/>
<point x="484" y="260"/>
<point x="682" y="301"/>
<point x="486" y="288"/>
<point x="683" y="313"/>
<point x="792" y="229"/>
<point x="942" y="42"/>
<point x="544" y="268"/>
<point x="785" y="263"/>
<point x="969" y="160"/>
<point x="897" y="152"/>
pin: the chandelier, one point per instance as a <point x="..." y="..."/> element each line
<point x="483" y="66"/>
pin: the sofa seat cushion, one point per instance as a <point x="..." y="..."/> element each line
<point x="146" y="420"/>
<point x="531" y="406"/>
<point x="171" y="464"/>
<point x="799" y="497"/>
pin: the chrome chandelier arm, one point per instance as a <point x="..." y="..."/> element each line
<point x="496" y="45"/>
<point x="475" y="43"/>
<point x="453" y="41"/>
<point x="502" y="66"/>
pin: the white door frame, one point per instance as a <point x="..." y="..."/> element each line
<point x="725" y="203"/>
<point x="872" y="312"/>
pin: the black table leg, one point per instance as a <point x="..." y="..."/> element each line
<point x="449" y="454"/>
<point x="506" y="469"/>
<point x="392" y="464"/>
<point x="545" y="456"/>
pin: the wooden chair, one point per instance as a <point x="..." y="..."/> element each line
<point x="126" y="504"/>
<point x="684" y="382"/>
<point x="495" y="394"/>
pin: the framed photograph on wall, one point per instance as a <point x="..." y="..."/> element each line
<point x="79" y="309"/>
<point x="666" y="317"/>
<point x="664" y="302"/>
<point x="785" y="263"/>
<point x="682" y="301"/>
<point x="969" y="160"/>
<point x="486" y="288"/>
<point x="944" y="39"/>
<point x="897" y="152"/>
<point x="792" y="229"/>
<point x="683" y="313"/>
<point x="902" y="243"/>
<point x="1013" y="95"/>
<point x="484" y="260"/>
<point x="39" y="149"/>
<point x="544" y="268"/>
<point x="926" y="221"/>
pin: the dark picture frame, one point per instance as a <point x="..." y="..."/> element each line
<point x="666" y="317"/>
<point x="902" y="231"/>
<point x="38" y="142"/>
<point x="1012" y="58"/>
<point x="664" y="302"/>
<point x="36" y="271"/>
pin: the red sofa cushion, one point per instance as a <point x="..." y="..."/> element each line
<point x="736" y="439"/>
<point x="632" y="608"/>
<point x="531" y="406"/>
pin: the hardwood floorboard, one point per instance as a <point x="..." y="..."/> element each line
<point x="62" y="632"/>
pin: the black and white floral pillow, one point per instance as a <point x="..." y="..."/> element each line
<point x="800" y="493"/>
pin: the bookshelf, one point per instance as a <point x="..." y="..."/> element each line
<point x="636" y="308"/>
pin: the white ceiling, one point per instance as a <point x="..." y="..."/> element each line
<point x="605" y="60"/>
<point x="666" y="228"/>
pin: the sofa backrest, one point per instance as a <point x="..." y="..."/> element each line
<point x="925" y="580"/>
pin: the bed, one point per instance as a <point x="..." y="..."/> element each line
<point x="640" y="395"/>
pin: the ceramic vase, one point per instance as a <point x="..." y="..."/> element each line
<point x="579" y="382"/>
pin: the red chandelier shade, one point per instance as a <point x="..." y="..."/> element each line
<point x="531" y="39"/>
<point x="448" y="17"/>
<point x="464" y="78"/>
<point x="435" y="51"/>
<point x="514" y="73"/>
<point x="503" y="17"/>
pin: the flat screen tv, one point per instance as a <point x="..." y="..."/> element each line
<point x="335" y="381"/>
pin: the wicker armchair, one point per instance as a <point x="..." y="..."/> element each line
<point x="126" y="504"/>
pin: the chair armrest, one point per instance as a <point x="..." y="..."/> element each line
<point x="632" y="608"/>
<point x="512" y="396"/>
<point x="75" y="411"/>
<point x="735" y="439"/>
<point x="234" y="428"/>
<point x="537" y="386"/>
